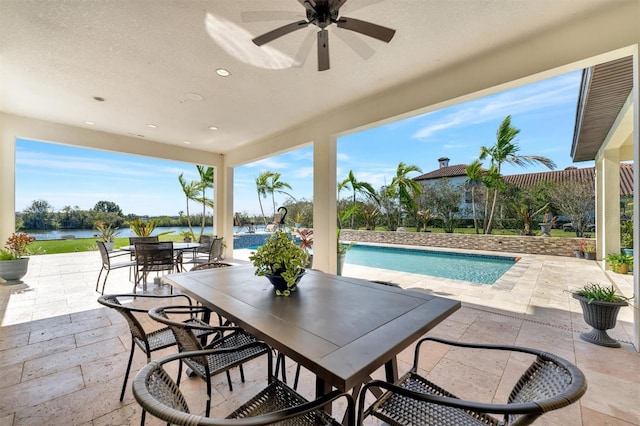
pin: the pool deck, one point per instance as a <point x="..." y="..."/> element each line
<point x="62" y="355"/>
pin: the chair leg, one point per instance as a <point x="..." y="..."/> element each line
<point x="295" y="380"/>
<point x="126" y="374"/>
<point x="229" y="381"/>
<point x="142" y="418"/>
<point x="241" y="373"/>
<point x="105" y="281"/>
<point x="98" y="281"/>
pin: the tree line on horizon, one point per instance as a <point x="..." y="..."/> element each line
<point x="492" y="202"/>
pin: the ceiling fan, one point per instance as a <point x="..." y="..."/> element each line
<point x="323" y="13"/>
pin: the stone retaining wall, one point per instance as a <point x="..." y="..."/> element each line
<point x="509" y="243"/>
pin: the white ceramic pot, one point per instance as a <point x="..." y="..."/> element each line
<point x="13" y="270"/>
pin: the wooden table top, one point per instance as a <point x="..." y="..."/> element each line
<point x="342" y="329"/>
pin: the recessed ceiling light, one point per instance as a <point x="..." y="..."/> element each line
<point x="90" y="123"/>
<point x="186" y="143"/>
<point x="223" y="72"/>
<point x="194" y="96"/>
<point x="213" y="128"/>
<point x="153" y="126"/>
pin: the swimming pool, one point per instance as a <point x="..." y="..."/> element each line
<point x="477" y="268"/>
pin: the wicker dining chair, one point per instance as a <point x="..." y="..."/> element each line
<point x="158" y="394"/>
<point x="227" y="336"/>
<point x="153" y="257"/>
<point x="213" y="254"/>
<point x="108" y="263"/>
<point x="147" y="341"/>
<point x="548" y="384"/>
<point x="132" y="244"/>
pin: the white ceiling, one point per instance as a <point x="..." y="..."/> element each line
<point x="148" y="58"/>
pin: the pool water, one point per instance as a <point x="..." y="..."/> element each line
<point x="477" y="268"/>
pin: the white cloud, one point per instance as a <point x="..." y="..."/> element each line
<point x="543" y="95"/>
<point x="268" y="163"/>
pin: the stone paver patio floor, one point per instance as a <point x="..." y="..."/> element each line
<point x="62" y="355"/>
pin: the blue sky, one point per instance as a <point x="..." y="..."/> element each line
<point x="544" y="112"/>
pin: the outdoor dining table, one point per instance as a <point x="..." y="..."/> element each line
<point x="341" y="329"/>
<point x="177" y="248"/>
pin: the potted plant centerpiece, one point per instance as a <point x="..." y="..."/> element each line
<point x="107" y="234"/>
<point x="600" y="306"/>
<point x="282" y="261"/>
<point x="13" y="264"/>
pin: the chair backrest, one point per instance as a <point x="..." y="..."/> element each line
<point x="205" y="243"/>
<point x="111" y="300"/>
<point x="104" y="253"/>
<point x="185" y="338"/>
<point x="154" y="256"/>
<point x="551" y="383"/>
<point x="159" y="395"/>
<point x="127" y="311"/>
<point x="215" y="252"/>
<point x="134" y="240"/>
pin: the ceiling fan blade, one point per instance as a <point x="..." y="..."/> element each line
<point x="367" y="28"/>
<point x="323" y="50"/>
<point x="305" y="48"/>
<point x="357" y="43"/>
<point x="279" y="32"/>
<point x="269" y="15"/>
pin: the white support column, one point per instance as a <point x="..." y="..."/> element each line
<point x="7" y="181"/>
<point x="636" y="196"/>
<point x="223" y="207"/>
<point x="324" y="204"/>
<point x="608" y="233"/>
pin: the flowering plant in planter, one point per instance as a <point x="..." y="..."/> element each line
<point x="16" y="246"/>
<point x="280" y="257"/>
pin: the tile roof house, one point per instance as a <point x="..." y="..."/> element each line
<point x="456" y="174"/>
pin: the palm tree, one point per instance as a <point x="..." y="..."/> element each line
<point x="274" y="185"/>
<point x="474" y="174"/>
<point x="206" y="181"/>
<point x="357" y="187"/>
<point x="262" y="185"/>
<point x="491" y="180"/>
<point x="405" y="188"/>
<point x="191" y="191"/>
<point x="506" y="150"/>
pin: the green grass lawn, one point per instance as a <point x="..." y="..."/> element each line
<point x="81" y="244"/>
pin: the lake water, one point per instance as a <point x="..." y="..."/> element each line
<point x="122" y="233"/>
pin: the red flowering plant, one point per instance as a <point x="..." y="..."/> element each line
<point x="17" y="246"/>
<point x="306" y="238"/>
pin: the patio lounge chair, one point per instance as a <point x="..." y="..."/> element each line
<point x="549" y="383"/>
<point x="158" y="394"/>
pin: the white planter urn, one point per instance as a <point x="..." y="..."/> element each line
<point x="13" y="270"/>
